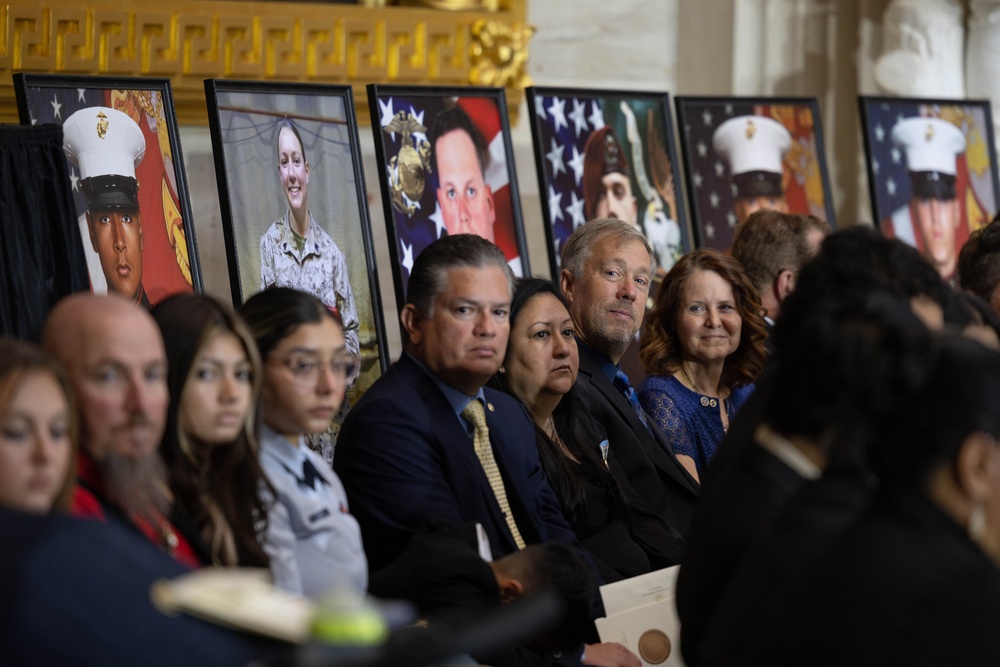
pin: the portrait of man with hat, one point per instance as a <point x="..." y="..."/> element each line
<point x="607" y="190"/>
<point x="754" y="148"/>
<point x="106" y="145"/>
<point x="607" y="186"/>
<point x="930" y="221"/>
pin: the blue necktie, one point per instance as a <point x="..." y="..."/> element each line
<point x="621" y="381"/>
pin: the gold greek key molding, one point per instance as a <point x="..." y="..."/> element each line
<point x="189" y="41"/>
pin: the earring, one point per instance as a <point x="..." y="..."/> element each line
<point x="502" y="370"/>
<point x="977" y="523"/>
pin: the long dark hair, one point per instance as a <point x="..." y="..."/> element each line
<point x="217" y="486"/>
<point x="277" y="312"/>
<point x="572" y="423"/>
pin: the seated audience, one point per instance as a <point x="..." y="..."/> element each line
<point x="313" y="542"/>
<point x="979" y="264"/>
<point x="37" y="430"/>
<point x="804" y="479"/>
<point x="852" y="264"/>
<point x="622" y="535"/>
<point x="113" y="354"/>
<point x="456" y="452"/>
<point x="703" y="348"/>
<point x="210" y="443"/>
<point x="916" y="579"/>
<point x="606" y="273"/>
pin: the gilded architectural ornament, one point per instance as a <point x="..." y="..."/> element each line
<point x="408" y="169"/>
<point x="500" y="54"/>
<point x="188" y="41"/>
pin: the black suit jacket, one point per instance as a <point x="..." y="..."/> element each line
<point x="647" y="459"/>
<point x="736" y="507"/>
<point x="905" y="585"/>
<point x="405" y="458"/>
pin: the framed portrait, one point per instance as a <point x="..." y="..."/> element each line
<point x="932" y="172"/>
<point x="127" y="177"/>
<point x="742" y="154"/>
<point x="446" y="167"/>
<point x="294" y="208"/>
<point x="603" y="153"/>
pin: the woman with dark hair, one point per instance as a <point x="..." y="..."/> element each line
<point x="623" y="537"/>
<point x="210" y="442"/>
<point x="703" y="348"/>
<point x="915" y="579"/>
<point x="37" y="430"/>
<point x="313" y="542"/>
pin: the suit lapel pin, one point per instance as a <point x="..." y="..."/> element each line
<point x="489" y="406"/>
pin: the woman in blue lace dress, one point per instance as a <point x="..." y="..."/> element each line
<point x="703" y="348"/>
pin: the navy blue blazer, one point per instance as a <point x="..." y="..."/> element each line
<point x="76" y="592"/>
<point x="647" y="459"/>
<point x="404" y="458"/>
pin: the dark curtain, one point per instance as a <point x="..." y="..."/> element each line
<point x="41" y="253"/>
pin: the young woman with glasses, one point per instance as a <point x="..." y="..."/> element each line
<point x="313" y="541"/>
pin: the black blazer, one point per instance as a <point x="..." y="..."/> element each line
<point x="736" y="508"/>
<point x="647" y="460"/>
<point x="404" y="458"/>
<point x="903" y="586"/>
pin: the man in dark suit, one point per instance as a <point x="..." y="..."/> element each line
<point x="411" y="450"/>
<point x="607" y="269"/>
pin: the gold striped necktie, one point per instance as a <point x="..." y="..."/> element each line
<point x="477" y="417"/>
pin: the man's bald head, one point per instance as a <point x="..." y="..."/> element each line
<point x="113" y="353"/>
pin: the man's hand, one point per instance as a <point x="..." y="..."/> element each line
<point x="610" y="654"/>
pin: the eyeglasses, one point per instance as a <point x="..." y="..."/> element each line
<point x="306" y="370"/>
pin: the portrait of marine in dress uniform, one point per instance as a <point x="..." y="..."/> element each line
<point x="754" y="148"/>
<point x="608" y="154"/>
<point x="932" y="173"/>
<point x="294" y="208"/>
<point x="106" y="145"/>
<point x="745" y="154"/>
<point x="446" y="167"/>
<point x="127" y="179"/>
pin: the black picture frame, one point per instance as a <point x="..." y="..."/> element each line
<point x="894" y="200"/>
<point x="167" y="260"/>
<point x="246" y="120"/>
<point x="582" y="136"/>
<point x="716" y="200"/>
<point x="413" y="214"/>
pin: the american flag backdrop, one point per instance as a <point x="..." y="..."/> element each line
<point x="562" y="122"/>
<point x="167" y="254"/>
<point x="711" y="191"/>
<point x="414" y="232"/>
<point x="976" y="169"/>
